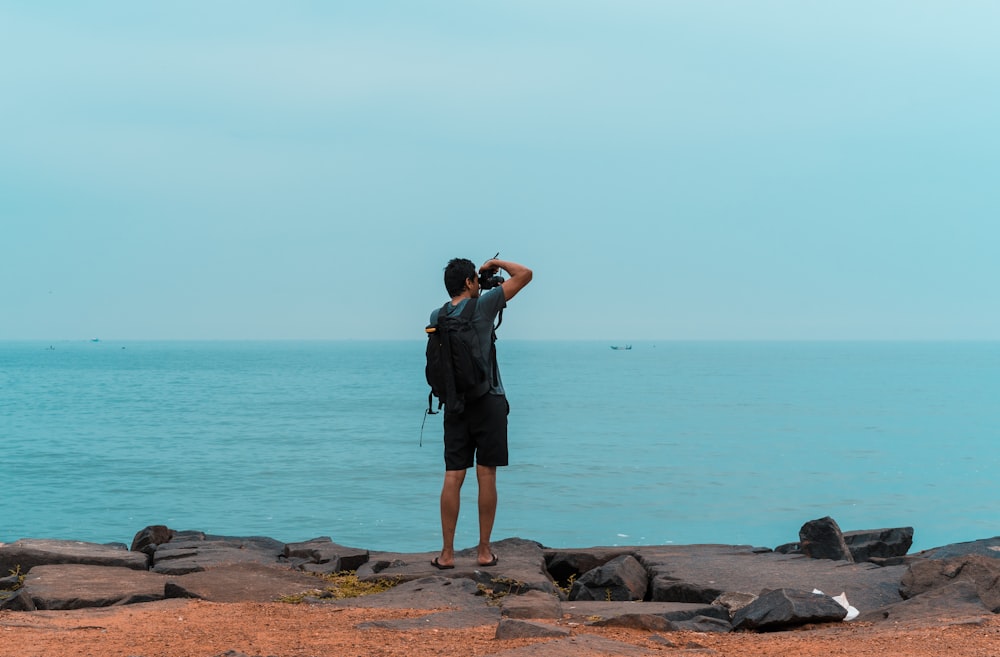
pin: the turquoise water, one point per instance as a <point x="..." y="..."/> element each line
<point x="673" y="442"/>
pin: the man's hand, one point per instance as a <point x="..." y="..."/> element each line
<point x="519" y="275"/>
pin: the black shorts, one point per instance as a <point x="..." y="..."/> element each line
<point x="478" y="434"/>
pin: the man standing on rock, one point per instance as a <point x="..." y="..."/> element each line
<point x="477" y="434"/>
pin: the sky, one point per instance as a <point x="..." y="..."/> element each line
<point x="767" y="170"/>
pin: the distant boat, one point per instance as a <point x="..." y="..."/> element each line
<point x="621" y="347"/>
<point x="95" y="339"/>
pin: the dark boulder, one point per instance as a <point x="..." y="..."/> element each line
<point x="322" y="555"/>
<point x="146" y="539"/>
<point x="565" y="565"/>
<point x="622" y="578"/>
<point x="929" y="574"/>
<point x="822" y="539"/>
<point x="868" y="544"/>
<point x="958" y="601"/>
<point x="987" y="547"/>
<point x="785" y="608"/>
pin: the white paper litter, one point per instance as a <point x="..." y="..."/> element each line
<point x="841" y="599"/>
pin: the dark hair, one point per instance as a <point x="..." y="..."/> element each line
<point x="456" y="273"/>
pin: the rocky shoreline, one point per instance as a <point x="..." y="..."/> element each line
<point x="660" y="589"/>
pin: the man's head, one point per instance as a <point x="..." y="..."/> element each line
<point x="457" y="274"/>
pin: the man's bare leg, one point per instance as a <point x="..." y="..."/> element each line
<point x="487" y="478"/>
<point x="451" y="499"/>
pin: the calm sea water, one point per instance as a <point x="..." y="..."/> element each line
<point x="674" y="442"/>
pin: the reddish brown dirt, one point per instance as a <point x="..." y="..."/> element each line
<point x="190" y="628"/>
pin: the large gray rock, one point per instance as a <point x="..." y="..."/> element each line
<point x="75" y="586"/>
<point x="322" y="555"/>
<point x="533" y="604"/>
<point x="785" y="608"/>
<point x="146" y="539"/>
<point x="190" y="552"/>
<point x="822" y="539"/>
<point x="29" y="552"/>
<point x="677" y="612"/>
<point x="242" y="582"/>
<point x="987" y="547"/>
<point x="867" y="544"/>
<point x="693" y="570"/>
<point x="566" y="564"/>
<point x="622" y="578"/>
<point x="432" y="592"/>
<point x="521" y="567"/>
<point x="955" y="602"/>
<point x="930" y="574"/>
<point x="509" y="628"/>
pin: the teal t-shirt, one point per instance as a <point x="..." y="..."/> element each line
<point x="489" y="305"/>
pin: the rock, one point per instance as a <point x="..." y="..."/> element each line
<point x="532" y="604"/>
<point x="563" y="565"/>
<point x="148" y="538"/>
<point x="582" y="644"/>
<point x="433" y="592"/>
<point x="322" y="555"/>
<point x="739" y="569"/>
<point x="789" y="548"/>
<point x="957" y="601"/>
<point x="76" y="586"/>
<point x="445" y="620"/>
<point x="822" y="539"/>
<point x="930" y="574"/>
<point x="637" y="621"/>
<point x="666" y="588"/>
<point x="677" y="612"/>
<point x="242" y="582"/>
<point x="734" y="601"/>
<point x="987" y="547"/>
<point x="521" y="567"/>
<point x="879" y="543"/>
<point x="521" y="629"/>
<point x="28" y="553"/>
<point x="704" y="624"/>
<point x="786" y="608"/>
<point x="622" y="578"/>
<point x="16" y="601"/>
<point x="190" y="552"/>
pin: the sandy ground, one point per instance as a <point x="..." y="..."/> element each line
<point x="191" y="628"/>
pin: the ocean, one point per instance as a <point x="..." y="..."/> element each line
<point x="665" y="443"/>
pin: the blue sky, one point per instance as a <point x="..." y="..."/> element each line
<point x="670" y="170"/>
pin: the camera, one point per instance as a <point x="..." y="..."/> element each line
<point x="488" y="281"/>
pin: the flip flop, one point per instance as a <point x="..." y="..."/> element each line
<point x="440" y="566"/>
<point x="492" y="562"/>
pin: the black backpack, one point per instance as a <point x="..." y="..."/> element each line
<point x="454" y="371"/>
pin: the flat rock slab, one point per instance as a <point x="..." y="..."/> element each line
<point x="987" y="547"/>
<point x="672" y="611"/>
<point x="190" y="554"/>
<point x="30" y="552"/>
<point x="427" y="593"/>
<point x="956" y="602"/>
<point x="583" y="645"/>
<point x="244" y="582"/>
<point x="442" y="620"/>
<point x="76" y="586"/>
<point x="714" y="569"/>
<point x="520" y="567"/>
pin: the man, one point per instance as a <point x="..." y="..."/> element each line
<point x="479" y="433"/>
